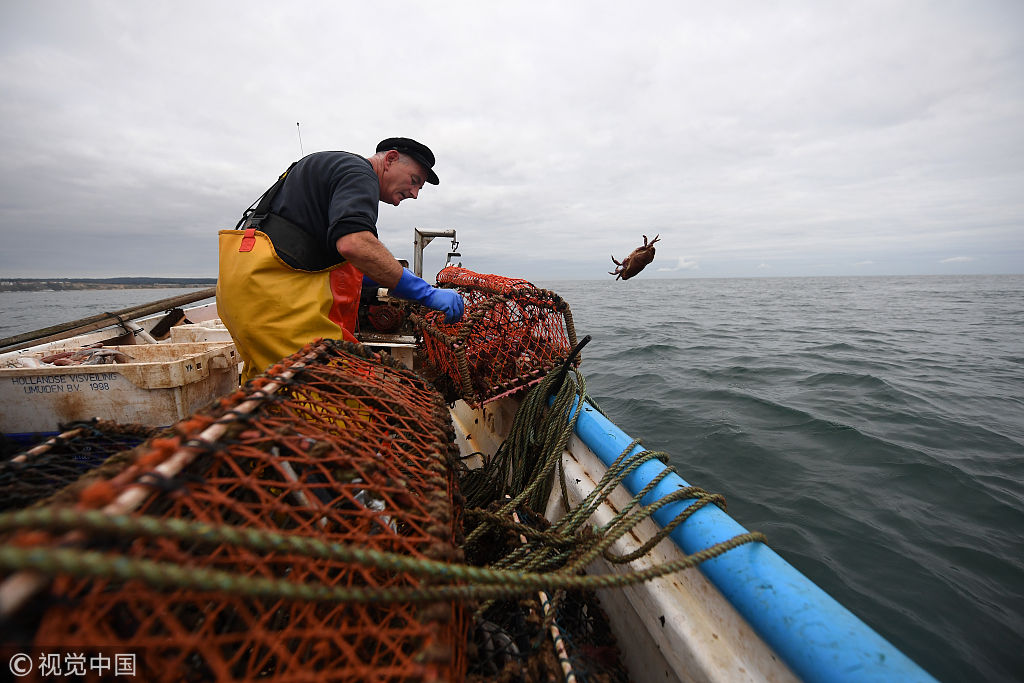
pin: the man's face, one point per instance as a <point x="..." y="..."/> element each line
<point x="403" y="179"/>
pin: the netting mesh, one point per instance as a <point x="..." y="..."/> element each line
<point x="331" y="444"/>
<point x="43" y="470"/>
<point x="511" y="334"/>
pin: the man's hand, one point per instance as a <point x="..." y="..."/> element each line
<point x="417" y="289"/>
<point x="372" y="258"/>
<point x="447" y="300"/>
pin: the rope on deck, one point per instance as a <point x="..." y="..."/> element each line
<point x="522" y="469"/>
<point x="477" y="582"/>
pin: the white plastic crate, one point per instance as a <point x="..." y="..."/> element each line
<point x="207" y="331"/>
<point x="163" y="383"/>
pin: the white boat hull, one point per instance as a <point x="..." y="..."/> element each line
<point x="675" y="628"/>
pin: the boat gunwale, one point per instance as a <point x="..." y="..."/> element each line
<point x="816" y="636"/>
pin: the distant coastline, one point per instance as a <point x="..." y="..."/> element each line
<point x="58" y="284"/>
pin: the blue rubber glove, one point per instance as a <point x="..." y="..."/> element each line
<point x="417" y="289"/>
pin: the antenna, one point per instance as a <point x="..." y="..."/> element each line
<point x="299" y="131"/>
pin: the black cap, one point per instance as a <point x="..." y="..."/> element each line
<point x="417" y="151"/>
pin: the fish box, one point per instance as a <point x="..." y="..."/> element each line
<point x="208" y="331"/>
<point x="159" y="385"/>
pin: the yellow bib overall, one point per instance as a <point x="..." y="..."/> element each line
<point x="271" y="309"/>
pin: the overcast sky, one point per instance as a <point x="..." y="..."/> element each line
<point x="756" y="138"/>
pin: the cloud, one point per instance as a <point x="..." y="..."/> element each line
<point x="682" y="263"/>
<point x="958" y="259"/>
<point x="791" y="135"/>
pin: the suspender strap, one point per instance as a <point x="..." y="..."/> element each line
<point x="296" y="247"/>
<point x="263" y="207"/>
<point x="254" y="215"/>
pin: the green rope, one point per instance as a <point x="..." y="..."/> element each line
<point x="128" y="526"/>
<point x="523" y="464"/>
<point x="522" y="469"/>
<point x="264" y="541"/>
<point x="85" y="563"/>
<point x="552" y="549"/>
<point x="568" y="527"/>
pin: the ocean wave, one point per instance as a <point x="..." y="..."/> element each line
<point x="850" y="380"/>
<point x="625" y="358"/>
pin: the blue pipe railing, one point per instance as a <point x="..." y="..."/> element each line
<point x="817" y="637"/>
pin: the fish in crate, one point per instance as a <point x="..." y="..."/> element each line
<point x="511" y="334"/>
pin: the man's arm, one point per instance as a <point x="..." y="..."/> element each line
<point x="371" y="257"/>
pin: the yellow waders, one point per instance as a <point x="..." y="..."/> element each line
<point x="271" y="309"/>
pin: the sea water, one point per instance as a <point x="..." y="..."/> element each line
<point x="872" y="428"/>
<point x="22" y="312"/>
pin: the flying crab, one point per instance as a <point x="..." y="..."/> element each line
<point x="636" y="261"/>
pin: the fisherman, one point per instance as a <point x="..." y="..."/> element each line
<point x="292" y="271"/>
